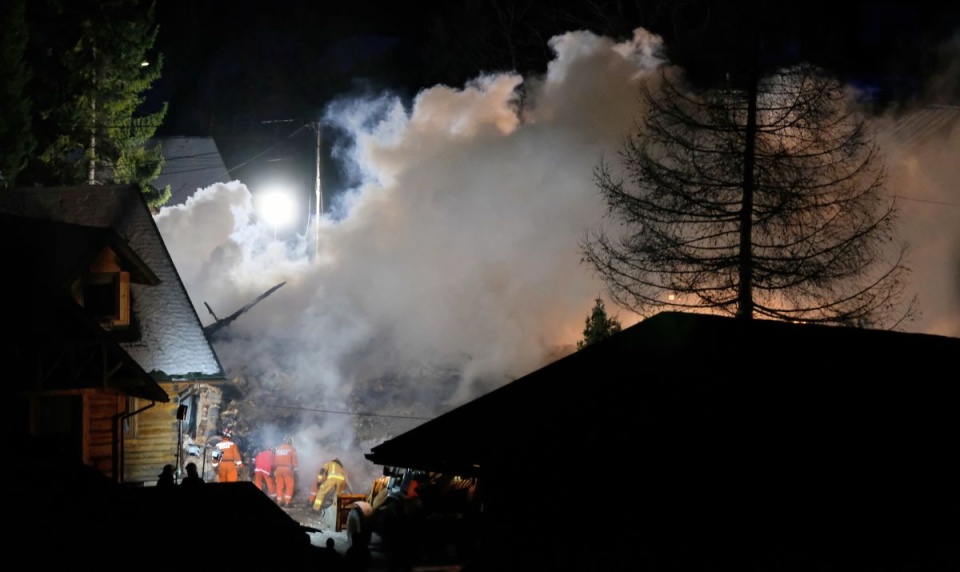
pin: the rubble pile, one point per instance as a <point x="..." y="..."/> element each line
<point x="376" y="408"/>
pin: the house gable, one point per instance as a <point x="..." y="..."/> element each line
<point x="171" y="345"/>
<point x="58" y="344"/>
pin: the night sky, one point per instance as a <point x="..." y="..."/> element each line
<point x="253" y="74"/>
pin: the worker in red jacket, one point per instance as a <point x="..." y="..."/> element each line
<point x="287" y="465"/>
<point x="263" y="467"/>
<point x="227" y="459"/>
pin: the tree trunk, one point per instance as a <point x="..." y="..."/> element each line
<point x="745" y="284"/>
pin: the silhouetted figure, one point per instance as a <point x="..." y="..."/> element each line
<point x="165" y="478"/>
<point x="193" y="477"/>
<point x="328" y="559"/>
<point x="397" y="533"/>
<point x="358" y="557"/>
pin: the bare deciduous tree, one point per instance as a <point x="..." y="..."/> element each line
<point x="765" y="201"/>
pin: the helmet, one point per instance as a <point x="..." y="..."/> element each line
<point x="288" y="440"/>
<point x="228" y="432"/>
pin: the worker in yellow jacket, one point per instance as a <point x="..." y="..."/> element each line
<point x="330" y="479"/>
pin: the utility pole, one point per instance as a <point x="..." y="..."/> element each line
<point x="315" y="125"/>
<point x="319" y="190"/>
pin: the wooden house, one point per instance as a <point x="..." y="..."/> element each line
<point x="705" y="442"/>
<point x="108" y="257"/>
<point x="80" y="303"/>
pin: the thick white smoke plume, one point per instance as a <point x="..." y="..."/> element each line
<point x="454" y="266"/>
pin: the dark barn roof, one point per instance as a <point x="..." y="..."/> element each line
<point x="683" y="379"/>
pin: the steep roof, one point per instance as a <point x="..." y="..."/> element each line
<point x="189" y="163"/>
<point x="64" y="249"/>
<point x="172" y="345"/>
<point x="705" y="386"/>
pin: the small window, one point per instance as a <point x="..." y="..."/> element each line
<point x="106" y="295"/>
<point x="131" y="426"/>
<point x="100" y="295"/>
<point x="59" y="422"/>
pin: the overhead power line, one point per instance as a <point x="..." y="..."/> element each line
<point x="354" y="413"/>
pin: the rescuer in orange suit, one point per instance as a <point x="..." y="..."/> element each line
<point x="285" y="472"/>
<point x="227" y="458"/>
<point x="263" y="466"/>
<point x="331" y="477"/>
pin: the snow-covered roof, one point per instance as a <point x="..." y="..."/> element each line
<point x="172" y="345"/>
<point x="190" y="163"/>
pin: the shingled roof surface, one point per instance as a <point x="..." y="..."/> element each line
<point x="189" y="164"/>
<point x="172" y="345"/>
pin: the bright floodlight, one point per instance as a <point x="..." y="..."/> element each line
<point x="276" y="207"/>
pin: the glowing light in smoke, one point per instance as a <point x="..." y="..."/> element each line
<point x="275" y="206"/>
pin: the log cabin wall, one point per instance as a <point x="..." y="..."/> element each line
<point x="100" y="409"/>
<point x="150" y="437"/>
<point x="149" y="440"/>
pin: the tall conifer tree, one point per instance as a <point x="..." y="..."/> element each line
<point x="16" y="139"/>
<point x="95" y="61"/>
<point x="598" y="325"/>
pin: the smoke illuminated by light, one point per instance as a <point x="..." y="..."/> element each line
<point x="453" y="266"/>
<point x="276" y="206"/>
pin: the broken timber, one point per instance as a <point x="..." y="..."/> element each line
<point x="219" y="324"/>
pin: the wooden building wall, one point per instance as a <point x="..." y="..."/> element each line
<point x="80" y="421"/>
<point x="150" y="440"/>
<point x="151" y="437"/>
<point x="100" y="410"/>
